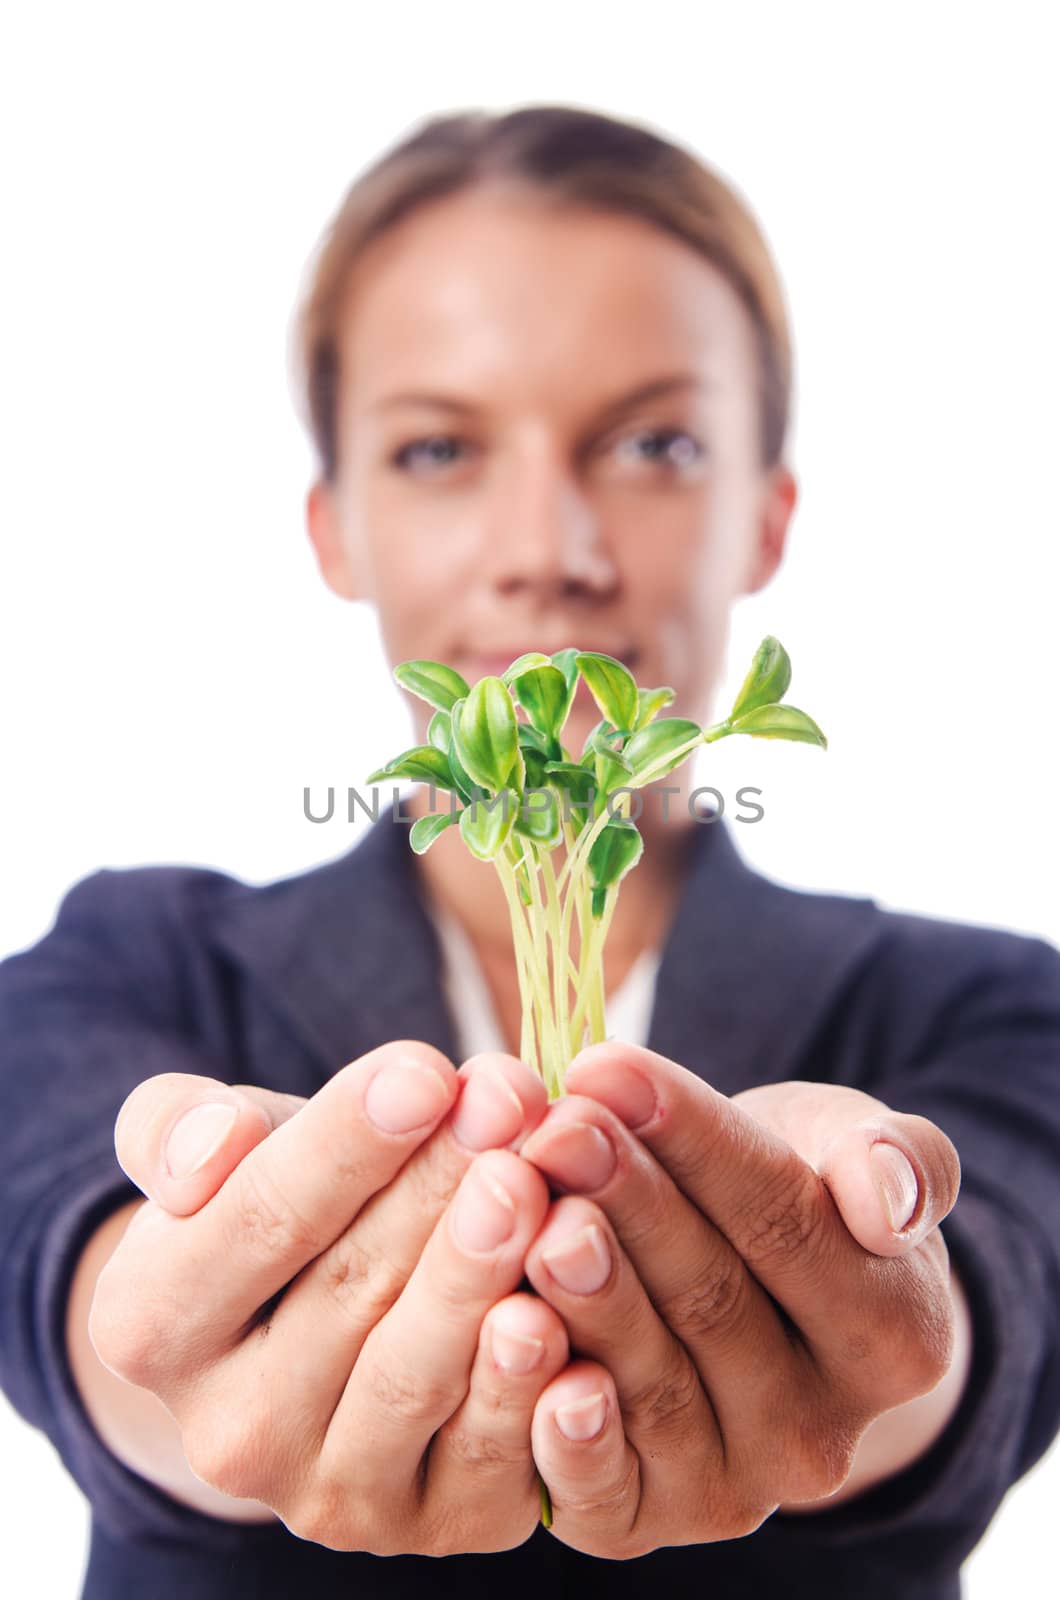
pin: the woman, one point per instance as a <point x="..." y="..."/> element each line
<point x="378" y="1284"/>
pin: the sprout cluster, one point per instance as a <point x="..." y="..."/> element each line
<point x="517" y="793"/>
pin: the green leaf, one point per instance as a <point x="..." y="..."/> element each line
<point x="603" y="736"/>
<point x="486" y="734"/>
<point x="767" y="682"/>
<point x="424" y="762"/>
<point x="617" y="849"/>
<point x="649" y="703"/>
<point x="611" y="685"/>
<point x="425" y="830"/>
<point x="569" y="775"/>
<point x="534" y="763"/>
<point x="780" y="722"/>
<point x="539" y="817"/>
<point x="432" y="681"/>
<point x="466" y="788"/>
<point x="486" y="823"/>
<point x="578" y="785"/>
<point x="567" y="662"/>
<point x="658" y="741"/>
<point x="531" y="739"/>
<point x="610" y="767"/>
<point x="438" y="731"/>
<point x="521" y="664"/>
<point x="544" y="695"/>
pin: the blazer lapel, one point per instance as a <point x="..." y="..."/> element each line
<point x="751" y="969"/>
<point x="346" y="950"/>
<point x="349" y="955"/>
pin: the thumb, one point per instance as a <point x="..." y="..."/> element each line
<point x="178" y="1136"/>
<point x="893" y="1176"/>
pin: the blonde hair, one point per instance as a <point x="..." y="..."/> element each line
<point x="578" y="157"/>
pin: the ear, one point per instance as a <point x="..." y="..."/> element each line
<point x="779" y="495"/>
<point x="325" y="533"/>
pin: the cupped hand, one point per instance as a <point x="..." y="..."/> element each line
<point x="328" y="1301"/>
<point x="751" y="1283"/>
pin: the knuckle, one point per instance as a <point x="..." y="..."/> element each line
<point x="409" y="1396"/>
<point x="671" y="1398"/>
<point x="265" y="1224"/>
<point x="612" y="1504"/>
<point x="226" y="1453"/>
<point x="739" y="1518"/>
<point x="128" y="1332"/>
<point x="450" y="1530"/>
<point x="249" y="1451"/>
<point x="910" y="1341"/>
<point x="712" y="1304"/>
<point x="326" y="1517"/>
<point x="820" y="1460"/>
<point x="783" y="1223"/>
<point x="361" y="1283"/>
<point x="650" y="1223"/>
<point x="477" y="1451"/>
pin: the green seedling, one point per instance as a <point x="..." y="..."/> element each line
<point x="518" y="795"/>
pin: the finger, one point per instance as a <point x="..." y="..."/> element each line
<point x="577" y="1264"/>
<point x="317" y="1326"/>
<point x="758" y="1191"/>
<point x="414" y="1369"/>
<point x="589" y="1467"/>
<point x="285" y="1202"/>
<point x="684" y="1272"/>
<point x="178" y="1135"/>
<point x="481" y="1457"/>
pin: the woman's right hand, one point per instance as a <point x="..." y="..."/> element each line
<point x="366" y="1406"/>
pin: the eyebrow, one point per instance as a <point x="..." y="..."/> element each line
<point x="666" y="384"/>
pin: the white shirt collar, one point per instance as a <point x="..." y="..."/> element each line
<point x="628" y="1011"/>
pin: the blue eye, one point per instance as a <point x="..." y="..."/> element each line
<point x="407" y="453"/>
<point x="687" y="451"/>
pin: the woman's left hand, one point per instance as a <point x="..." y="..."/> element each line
<point x="739" y="1289"/>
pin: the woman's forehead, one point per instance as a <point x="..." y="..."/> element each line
<point x="464" y="287"/>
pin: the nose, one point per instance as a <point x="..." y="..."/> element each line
<point x="544" y="534"/>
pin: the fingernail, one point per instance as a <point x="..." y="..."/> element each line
<point x="582" y="1419"/>
<point x="581" y="1263"/>
<point x="483" y="1212"/>
<point x="625" y="1092"/>
<point x="517" y="1353"/>
<point x="405" y="1096"/>
<point x="579" y="1155"/>
<point x="896" y="1185"/>
<point x="489" y="1113"/>
<point x="198" y="1135"/>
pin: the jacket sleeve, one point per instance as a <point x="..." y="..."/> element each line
<point x="978" y="1053"/>
<point x="87" y="1013"/>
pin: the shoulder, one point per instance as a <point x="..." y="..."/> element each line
<point x="916" y="984"/>
<point x="154" y="924"/>
<point x="850" y="979"/>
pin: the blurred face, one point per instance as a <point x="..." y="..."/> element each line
<point x="548" y="436"/>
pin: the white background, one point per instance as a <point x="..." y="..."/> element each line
<point x="173" y="669"/>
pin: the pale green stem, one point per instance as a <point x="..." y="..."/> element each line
<point x="561" y="993"/>
<point x="523" y="961"/>
<point x="584" y="843"/>
<point x="551" y="1046"/>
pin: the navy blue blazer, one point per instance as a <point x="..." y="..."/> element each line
<point x="186" y="969"/>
